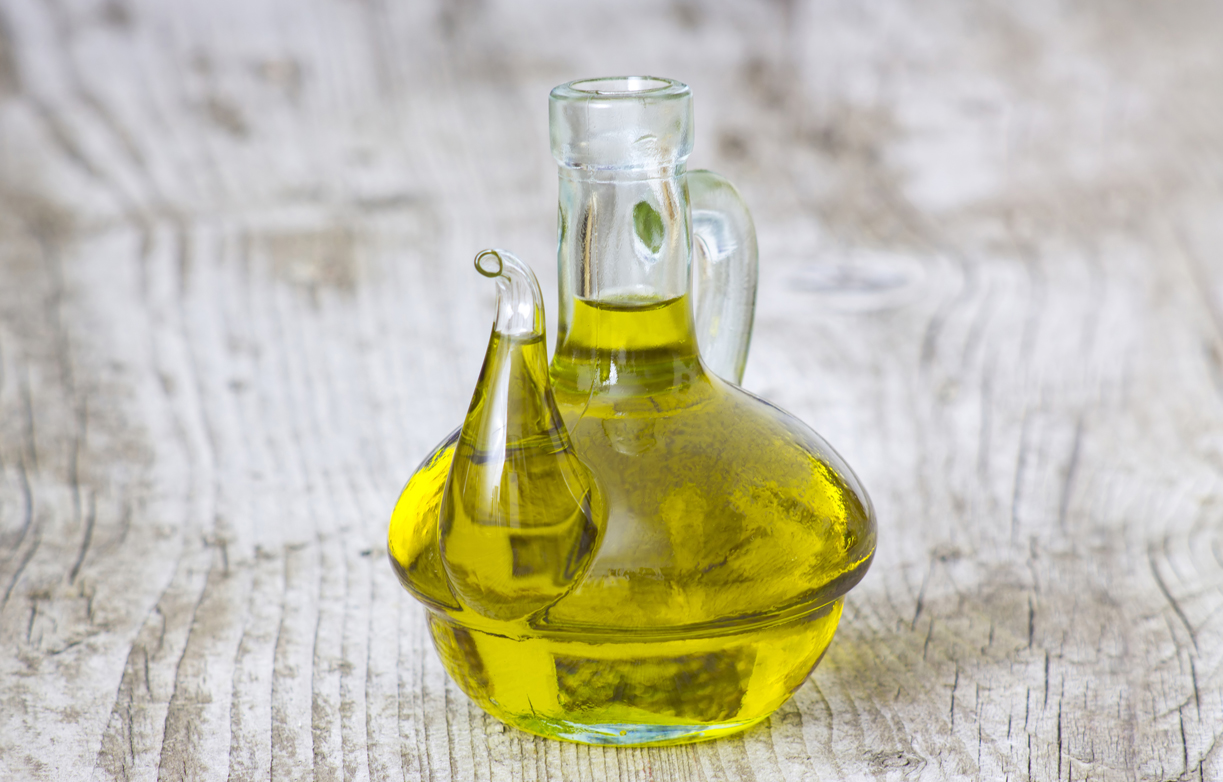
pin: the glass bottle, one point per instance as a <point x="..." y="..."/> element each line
<point x="625" y="547"/>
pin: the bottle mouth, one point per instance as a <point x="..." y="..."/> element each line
<point x="613" y="87"/>
<point x="621" y="123"/>
<point x="621" y="85"/>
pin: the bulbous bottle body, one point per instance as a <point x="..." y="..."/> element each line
<point x="732" y="533"/>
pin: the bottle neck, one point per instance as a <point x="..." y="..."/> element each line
<point x="624" y="239"/>
<point x="624" y="249"/>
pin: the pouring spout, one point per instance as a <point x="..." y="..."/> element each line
<point x="520" y="305"/>
<point x="522" y="516"/>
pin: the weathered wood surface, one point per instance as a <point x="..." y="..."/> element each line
<point x="236" y="308"/>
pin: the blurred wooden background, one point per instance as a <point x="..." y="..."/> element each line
<point x="237" y="307"/>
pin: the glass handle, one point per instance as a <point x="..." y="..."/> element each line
<point x="723" y="273"/>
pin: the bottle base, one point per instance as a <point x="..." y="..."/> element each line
<point x="630" y="735"/>
<point x="627" y="690"/>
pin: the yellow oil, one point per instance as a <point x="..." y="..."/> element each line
<point x="520" y="519"/>
<point x="728" y="533"/>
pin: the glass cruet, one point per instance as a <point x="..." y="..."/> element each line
<point x="623" y="546"/>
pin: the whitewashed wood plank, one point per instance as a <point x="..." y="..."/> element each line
<point x="237" y="309"/>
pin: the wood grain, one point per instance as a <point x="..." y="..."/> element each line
<point x="236" y="308"/>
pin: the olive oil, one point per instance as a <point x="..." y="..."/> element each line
<point x="519" y="519"/>
<point x="676" y="566"/>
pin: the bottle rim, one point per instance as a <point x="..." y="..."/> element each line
<point x="621" y="88"/>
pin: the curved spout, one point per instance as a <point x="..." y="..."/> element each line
<point x="521" y="516"/>
<point x="520" y="305"/>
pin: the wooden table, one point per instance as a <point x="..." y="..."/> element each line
<point x="237" y="307"/>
